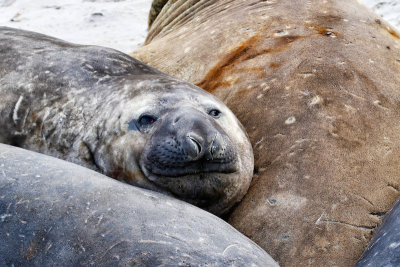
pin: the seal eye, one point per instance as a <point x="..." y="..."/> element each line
<point x="215" y="113"/>
<point x="145" y="120"/>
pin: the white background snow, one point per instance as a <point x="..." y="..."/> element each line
<point x="120" y="24"/>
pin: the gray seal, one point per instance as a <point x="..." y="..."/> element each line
<point x="102" y="109"/>
<point x="384" y="248"/>
<point x="55" y="213"/>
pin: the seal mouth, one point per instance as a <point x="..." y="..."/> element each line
<point x="199" y="188"/>
<point x="176" y="157"/>
<point x="189" y="168"/>
<point x="200" y="182"/>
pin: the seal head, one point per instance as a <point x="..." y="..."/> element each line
<point x="184" y="142"/>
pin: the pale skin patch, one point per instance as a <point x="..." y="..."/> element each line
<point x="290" y="120"/>
<point x="315" y="100"/>
<point x="284" y="200"/>
<point x="17" y="106"/>
<point x="290" y="201"/>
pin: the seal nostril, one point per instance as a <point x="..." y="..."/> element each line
<point x="214" y="146"/>
<point x="177" y="119"/>
<point x="196" y="145"/>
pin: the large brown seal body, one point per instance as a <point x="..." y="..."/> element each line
<point x="317" y="86"/>
<point x="107" y="111"/>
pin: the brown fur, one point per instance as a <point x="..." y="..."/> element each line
<point x="317" y="86"/>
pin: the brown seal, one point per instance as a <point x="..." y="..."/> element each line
<point x="317" y="86"/>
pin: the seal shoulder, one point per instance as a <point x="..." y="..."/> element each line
<point x="43" y="51"/>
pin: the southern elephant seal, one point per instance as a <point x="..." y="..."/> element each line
<point x="384" y="248"/>
<point x="55" y="213"/>
<point x="317" y="87"/>
<point x="107" y="111"/>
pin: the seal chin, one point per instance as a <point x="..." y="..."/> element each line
<point x="191" y="168"/>
<point x="204" y="189"/>
<point x="169" y="175"/>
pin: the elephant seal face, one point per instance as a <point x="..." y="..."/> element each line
<point x="182" y="141"/>
<point x="189" y="153"/>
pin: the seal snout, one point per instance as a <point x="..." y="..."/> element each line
<point x="189" y="142"/>
<point x="203" y="140"/>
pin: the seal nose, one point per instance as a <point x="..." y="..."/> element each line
<point x="199" y="136"/>
<point x="216" y="148"/>
<point x="209" y="146"/>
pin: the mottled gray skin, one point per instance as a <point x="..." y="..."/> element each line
<point x="86" y="104"/>
<point x="384" y="249"/>
<point x="55" y="213"/>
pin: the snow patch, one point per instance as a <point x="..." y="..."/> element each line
<point x="119" y="24"/>
<point x="389" y="10"/>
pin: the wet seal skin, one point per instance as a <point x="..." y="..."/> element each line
<point x="55" y="213"/>
<point x="316" y="85"/>
<point x="384" y="248"/>
<point x="104" y="110"/>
